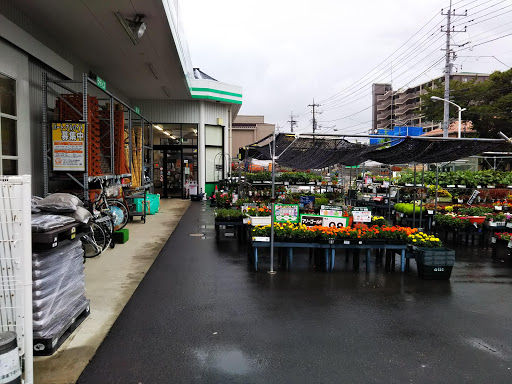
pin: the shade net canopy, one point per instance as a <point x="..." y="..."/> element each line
<point x="316" y="153"/>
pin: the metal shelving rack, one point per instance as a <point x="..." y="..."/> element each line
<point x="85" y="87"/>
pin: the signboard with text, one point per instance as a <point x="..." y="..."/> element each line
<point x="362" y="215"/>
<point x="68" y="146"/>
<point x="331" y="210"/>
<point x="311" y="220"/>
<point x="284" y="213"/>
<point x="337" y="222"/>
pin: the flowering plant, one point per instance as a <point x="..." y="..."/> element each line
<point x="421" y="239"/>
<point x="261" y="211"/>
<point x="503" y="236"/>
<point x="379" y="220"/>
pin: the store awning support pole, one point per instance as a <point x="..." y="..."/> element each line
<point x="389" y="196"/>
<point x="273" y="205"/>
<point x="414" y="199"/>
<point x="112" y="138"/>
<point x="130" y="148"/>
<point x="437" y="186"/>
<point x="421" y="194"/>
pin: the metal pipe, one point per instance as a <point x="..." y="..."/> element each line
<point x="112" y="136"/>
<point x="414" y="200"/>
<point x="389" y="195"/>
<point x="273" y="205"/>
<point x="437" y="186"/>
<point x="421" y="198"/>
<point x="302" y="135"/>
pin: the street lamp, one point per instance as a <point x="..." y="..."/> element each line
<point x="458" y="106"/>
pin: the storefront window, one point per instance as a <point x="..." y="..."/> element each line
<point x="9" y="139"/>
<point x="8" y="127"/>
<point x="7" y="95"/>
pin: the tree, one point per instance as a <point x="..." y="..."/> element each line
<point x="488" y="103"/>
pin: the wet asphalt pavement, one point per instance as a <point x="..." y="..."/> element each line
<point x="202" y="316"/>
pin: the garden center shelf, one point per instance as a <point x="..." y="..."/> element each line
<point x="116" y="141"/>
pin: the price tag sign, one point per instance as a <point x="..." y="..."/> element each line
<point x="509" y="225"/>
<point x="263" y="239"/>
<point x="362" y="216"/>
<point x="346" y="242"/>
<point x="498" y="208"/>
<point x="509" y="244"/>
<point x="493" y="240"/>
<point x="430" y="211"/>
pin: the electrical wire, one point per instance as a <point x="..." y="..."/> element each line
<point x="378" y="65"/>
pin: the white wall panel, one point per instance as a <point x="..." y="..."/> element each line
<point x="169" y="111"/>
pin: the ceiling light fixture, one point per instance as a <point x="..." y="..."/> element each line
<point x="158" y="127"/>
<point x="134" y="28"/>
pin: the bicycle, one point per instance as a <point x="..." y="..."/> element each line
<point x="118" y="209"/>
<point x="93" y="241"/>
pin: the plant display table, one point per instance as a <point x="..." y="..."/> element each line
<point x="329" y="251"/>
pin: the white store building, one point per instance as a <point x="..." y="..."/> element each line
<point x="190" y="112"/>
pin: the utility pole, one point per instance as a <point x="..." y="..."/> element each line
<point x="292" y="121"/>
<point x="314" y="118"/>
<point x="448" y="66"/>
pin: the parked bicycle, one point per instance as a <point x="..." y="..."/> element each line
<point x="108" y="215"/>
<point x="117" y="207"/>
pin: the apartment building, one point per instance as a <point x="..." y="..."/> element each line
<point x="403" y="107"/>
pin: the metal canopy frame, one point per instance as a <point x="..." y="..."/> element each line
<point x="86" y="86"/>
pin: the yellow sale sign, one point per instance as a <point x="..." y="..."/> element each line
<point x="68" y="146"/>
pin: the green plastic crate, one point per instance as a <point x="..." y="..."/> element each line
<point x="122" y="236"/>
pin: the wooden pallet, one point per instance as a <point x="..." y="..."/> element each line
<point x="47" y="347"/>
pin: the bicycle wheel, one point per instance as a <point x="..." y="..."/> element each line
<point x="94" y="241"/>
<point x="120" y="213"/>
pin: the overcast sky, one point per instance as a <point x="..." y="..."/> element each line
<point x="285" y="52"/>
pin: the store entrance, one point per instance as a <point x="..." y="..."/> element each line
<point x="175" y="170"/>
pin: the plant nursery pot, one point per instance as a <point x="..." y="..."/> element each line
<point x="476" y="219"/>
<point x="375" y="241"/>
<point x="396" y="242"/>
<point x="228" y="220"/>
<point x="438" y="272"/>
<point x="501" y="250"/>
<point x="434" y="256"/>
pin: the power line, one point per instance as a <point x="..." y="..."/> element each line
<point x="380" y="64"/>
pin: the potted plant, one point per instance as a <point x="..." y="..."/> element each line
<point x="229" y="215"/>
<point x="259" y="215"/>
<point x="500" y="247"/>
<point x="433" y="260"/>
